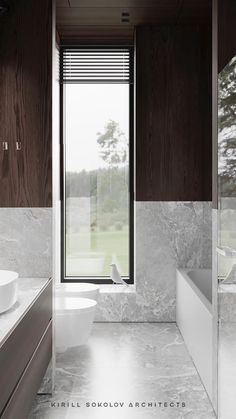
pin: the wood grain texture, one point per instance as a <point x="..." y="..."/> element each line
<point x="162" y="4"/>
<point x="26" y="104"/>
<point x="76" y="17"/>
<point x="189" y="6"/>
<point x="70" y="34"/>
<point x="226" y="32"/>
<point x="215" y="104"/>
<point x="110" y="16"/>
<point x="173" y="113"/>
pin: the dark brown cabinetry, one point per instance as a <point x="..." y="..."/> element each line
<point x="26" y="104"/>
<point x="21" y="400"/>
<point x="173" y="108"/>
<point x="24" y="357"/>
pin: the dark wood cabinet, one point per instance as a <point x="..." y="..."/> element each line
<point x="20" y="402"/>
<point x="173" y="113"/>
<point x="6" y="179"/>
<point x="26" y="104"/>
<point x="26" y="353"/>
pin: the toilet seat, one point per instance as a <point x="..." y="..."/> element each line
<point x="72" y="304"/>
<point x="78" y="290"/>
<point x="78" y="287"/>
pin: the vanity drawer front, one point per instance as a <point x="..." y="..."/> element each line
<point x="21" y="344"/>
<point x="20" y="403"/>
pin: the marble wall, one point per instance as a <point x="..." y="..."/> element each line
<point x="26" y="241"/>
<point x="168" y="235"/>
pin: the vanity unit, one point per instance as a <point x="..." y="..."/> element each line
<point x="25" y="347"/>
<point x="25" y="183"/>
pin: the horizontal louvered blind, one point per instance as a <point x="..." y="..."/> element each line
<point x="95" y="65"/>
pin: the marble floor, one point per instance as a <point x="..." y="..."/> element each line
<point x="124" y="364"/>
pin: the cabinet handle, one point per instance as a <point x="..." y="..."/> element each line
<point x="5" y="145"/>
<point x="18" y="145"/>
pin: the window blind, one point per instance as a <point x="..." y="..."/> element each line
<point x="95" y="65"/>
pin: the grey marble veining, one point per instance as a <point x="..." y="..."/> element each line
<point x="227" y="302"/>
<point x="28" y="289"/>
<point x="26" y="241"/>
<point x="46" y="386"/>
<point x="227" y="351"/>
<point x="168" y="235"/>
<point x="227" y="370"/>
<point x="127" y="363"/>
<point x="226" y="236"/>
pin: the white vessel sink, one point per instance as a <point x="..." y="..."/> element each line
<point x="8" y="289"/>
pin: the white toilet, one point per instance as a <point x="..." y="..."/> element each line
<point x="73" y="320"/>
<point x="75" y="305"/>
<point x="79" y="289"/>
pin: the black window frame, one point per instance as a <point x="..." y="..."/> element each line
<point x="99" y="279"/>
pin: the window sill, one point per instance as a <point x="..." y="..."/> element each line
<point x="116" y="289"/>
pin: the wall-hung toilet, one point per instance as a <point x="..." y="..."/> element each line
<point x="73" y="321"/>
<point x="84" y="290"/>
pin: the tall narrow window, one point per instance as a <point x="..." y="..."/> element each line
<point x="97" y="174"/>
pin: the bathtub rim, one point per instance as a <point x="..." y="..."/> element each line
<point x="202" y="297"/>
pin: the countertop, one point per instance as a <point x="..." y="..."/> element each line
<point x="28" y="290"/>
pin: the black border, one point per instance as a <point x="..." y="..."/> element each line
<point x="93" y="279"/>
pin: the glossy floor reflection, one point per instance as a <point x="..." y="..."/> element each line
<point x="127" y="363"/>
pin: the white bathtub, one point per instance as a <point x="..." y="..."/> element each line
<point x="194" y="319"/>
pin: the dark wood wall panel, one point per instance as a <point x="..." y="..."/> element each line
<point x="226" y="32"/>
<point x="173" y="113"/>
<point x="215" y="104"/>
<point x="26" y="104"/>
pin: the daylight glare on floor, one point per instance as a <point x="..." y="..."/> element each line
<point x="126" y="371"/>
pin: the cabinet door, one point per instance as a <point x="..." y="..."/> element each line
<point x="26" y="104"/>
<point x="8" y="176"/>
